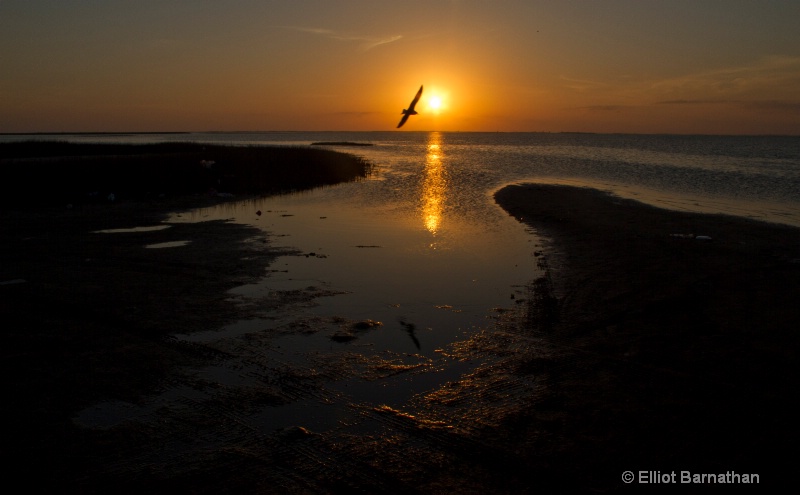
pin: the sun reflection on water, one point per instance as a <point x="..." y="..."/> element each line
<point x="434" y="185"/>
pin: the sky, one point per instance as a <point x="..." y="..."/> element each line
<point x="627" y="66"/>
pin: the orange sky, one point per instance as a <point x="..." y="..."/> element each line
<point x="719" y="67"/>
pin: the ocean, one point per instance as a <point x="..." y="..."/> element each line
<point x="751" y="176"/>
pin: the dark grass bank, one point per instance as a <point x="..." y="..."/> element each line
<point x="58" y="172"/>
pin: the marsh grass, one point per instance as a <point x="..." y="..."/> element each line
<point x="52" y="172"/>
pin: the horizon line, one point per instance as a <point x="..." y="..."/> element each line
<point x="111" y="133"/>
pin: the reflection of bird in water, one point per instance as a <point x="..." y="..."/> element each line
<point x="410" y="110"/>
<point x="410" y="328"/>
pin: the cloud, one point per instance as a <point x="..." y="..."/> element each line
<point x="768" y="73"/>
<point x="365" y="42"/>
<point x="693" y="102"/>
<point x="605" y="108"/>
<point x="383" y="41"/>
<point x="777" y="105"/>
<point x="780" y="105"/>
<point x="582" y="85"/>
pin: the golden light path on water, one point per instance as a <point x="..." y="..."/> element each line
<point x="434" y="186"/>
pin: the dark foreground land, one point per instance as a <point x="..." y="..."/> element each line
<point x="41" y="173"/>
<point x="639" y="351"/>
<point x="684" y="351"/>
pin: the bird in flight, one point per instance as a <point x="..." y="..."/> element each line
<point x="410" y="110"/>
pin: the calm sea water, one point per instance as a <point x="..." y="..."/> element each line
<point x="751" y="176"/>
<point x="421" y="243"/>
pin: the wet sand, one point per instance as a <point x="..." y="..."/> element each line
<point x="639" y="351"/>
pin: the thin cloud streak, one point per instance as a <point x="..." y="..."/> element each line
<point x="583" y="85"/>
<point x="769" y="71"/>
<point x="366" y="42"/>
<point x="742" y="87"/>
<point x="605" y="108"/>
<point x="780" y="105"/>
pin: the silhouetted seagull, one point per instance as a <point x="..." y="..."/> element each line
<point x="410" y="110"/>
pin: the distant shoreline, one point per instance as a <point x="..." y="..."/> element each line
<point x="90" y="133"/>
<point x="340" y="143"/>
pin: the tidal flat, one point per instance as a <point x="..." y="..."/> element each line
<point x="647" y="340"/>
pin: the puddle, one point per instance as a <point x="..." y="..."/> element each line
<point x="170" y="244"/>
<point x="151" y="228"/>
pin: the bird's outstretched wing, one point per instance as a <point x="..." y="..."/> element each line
<point x="403" y="120"/>
<point x="410" y="110"/>
<point x="415" y="100"/>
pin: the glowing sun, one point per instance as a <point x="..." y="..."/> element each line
<point x="435" y="103"/>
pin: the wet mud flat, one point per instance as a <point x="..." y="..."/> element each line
<point x="681" y="330"/>
<point x="137" y="369"/>
<point x="88" y="313"/>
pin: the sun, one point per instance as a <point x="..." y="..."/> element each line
<point x="435" y="102"/>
